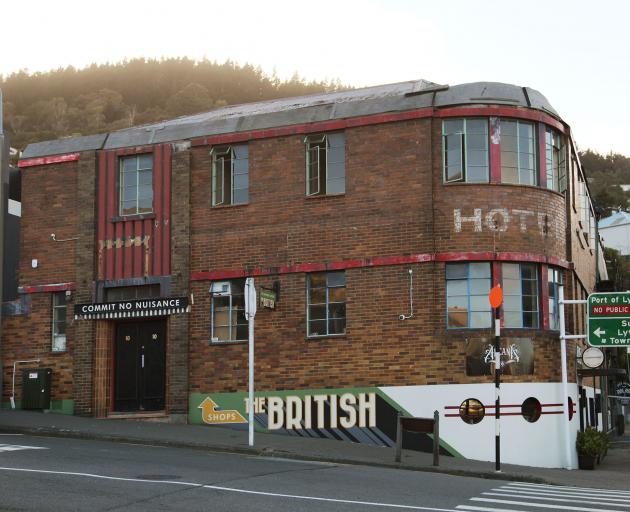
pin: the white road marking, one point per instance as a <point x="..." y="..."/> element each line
<point x="565" y="499"/>
<point x="230" y="489"/>
<point x="15" y="447"/>
<point x="543" y="505"/>
<point x="567" y="494"/>
<point x="568" y="487"/>
<point x="486" y="509"/>
<point x="11" y="434"/>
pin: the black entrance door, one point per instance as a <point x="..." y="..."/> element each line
<point x="139" y="375"/>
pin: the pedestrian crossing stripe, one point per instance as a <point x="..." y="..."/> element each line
<point x="15" y="447"/>
<point x="536" y="497"/>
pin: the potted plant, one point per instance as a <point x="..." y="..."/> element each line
<point x="589" y="445"/>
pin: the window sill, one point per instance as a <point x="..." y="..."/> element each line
<point x="221" y="206"/>
<point x="228" y="342"/>
<point x="138" y="216"/>
<point x="326" y="337"/>
<point x="58" y="352"/>
<point x="323" y="196"/>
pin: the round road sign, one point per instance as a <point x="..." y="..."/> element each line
<point x="593" y="357"/>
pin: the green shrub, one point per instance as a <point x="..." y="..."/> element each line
<point x="590" y="442"/>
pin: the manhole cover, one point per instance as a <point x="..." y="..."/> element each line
<point x="158" y="477"/>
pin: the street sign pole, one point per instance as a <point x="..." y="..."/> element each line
<point x="497" y="388"/>
<point x="565" y="379"/>
<point x="495" y="297"/>
<point x="250" y="313"/>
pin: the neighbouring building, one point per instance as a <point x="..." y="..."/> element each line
<point x="374" y="222"/>
<point x="615" y="232"/>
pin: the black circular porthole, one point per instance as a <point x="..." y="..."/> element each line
<point x="472" y="411"/>
<point x="531" y="409"/>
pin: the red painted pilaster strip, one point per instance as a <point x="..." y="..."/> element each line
<point x="127" y="250"/>
<point x="101" y="221"/>
<point x="110" y="211"/>
<point x="542" y="162"/>
<point x="544" y="296"/>
<point x="46" y="160"/>
<point x="118" y="251"/>
<point x="158" y="207"/>
<point x="166" y="234"/>
<point x="495" y="150"/>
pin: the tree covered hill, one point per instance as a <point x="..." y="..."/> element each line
<point x="100" y="98"/>
<point x="106" y="97"/>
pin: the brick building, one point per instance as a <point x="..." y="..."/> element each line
<point x="374" y="223"/>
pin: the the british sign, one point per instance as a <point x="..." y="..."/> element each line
<point x="609" y="319"/>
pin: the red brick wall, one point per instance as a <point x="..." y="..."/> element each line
<point x="49" y="205"/>
<point x="29" y="336"/>
<point x="395" y="204"/>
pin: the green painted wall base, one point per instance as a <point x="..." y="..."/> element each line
<point x="56" y="406"/>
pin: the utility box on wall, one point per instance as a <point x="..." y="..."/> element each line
<point x="36" y="388"/>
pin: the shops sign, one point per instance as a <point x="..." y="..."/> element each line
<point x="609" y="319"/>
<point x="137" y="308"/>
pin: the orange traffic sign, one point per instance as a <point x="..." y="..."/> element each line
<point x="495" y="296"/>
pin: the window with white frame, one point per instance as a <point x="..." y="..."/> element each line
<point x="326" y="303"/>
<point x="465" y="150"/>
<point x="227" y="314"/>
<point x="230" y="174"/>
<point x="554" y="280"/>
<point x="518" y="152"/>
<point x="520" y="295"/>
<point x="555" y="161"/>
<point x="467" y="288"/>
<point x="325" y="164"/>
<point x="59" y="320"/>
<point x="136" y="184"/>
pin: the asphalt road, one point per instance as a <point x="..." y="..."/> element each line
<point x="44" y="474"/>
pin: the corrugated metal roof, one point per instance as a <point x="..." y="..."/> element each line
<point x="616" y="219"/>
<point x="67" y="145"/>
<point x="397" y="97"/>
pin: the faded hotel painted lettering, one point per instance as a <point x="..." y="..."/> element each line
<point x="500" y="219"/>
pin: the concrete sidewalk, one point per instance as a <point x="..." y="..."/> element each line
<point x="612" y="473"/>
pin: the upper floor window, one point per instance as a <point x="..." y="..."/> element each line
<point x="227" y="315"/>
<point x="59" y="315"/>
<point x="326" y="303"/>
<point x="230" y="175"/>
<point x="136" y="184"/>
<point x="555" y="161"/>
<point x="465" y="150"/>
<point x="518" y="152"/>
<point x="467" y="288"/>
<point x="554" y="280"/>
<point x="520" y="295"/>
<point x="325" y="164"/>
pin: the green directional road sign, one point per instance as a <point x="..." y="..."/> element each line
<point x="609" y="319"/>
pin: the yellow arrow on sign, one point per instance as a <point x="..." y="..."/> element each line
<point x="212" y="416"/>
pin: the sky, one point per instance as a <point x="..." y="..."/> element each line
<point x="576" y="53"/>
